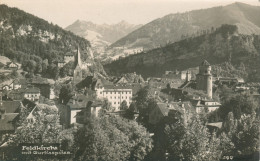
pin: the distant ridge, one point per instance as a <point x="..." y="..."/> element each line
<point x="223" y="44"/>
<point x="101" y="34"/>
<point x="174" y="27"/>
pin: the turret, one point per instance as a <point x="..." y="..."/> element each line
<point x="204" y="78"/>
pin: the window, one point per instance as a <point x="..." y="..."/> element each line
<point x="111" y="97"/>
<point x="115" y="97"/>
<point x="114" y="102"/>
<point x="100" y="92"/>
<point x="126" y="97"/>
<point x="118" y="97"/>
<point x="118" y="102"/>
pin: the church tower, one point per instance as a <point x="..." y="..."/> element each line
<point x="77" y="74"/>
<point x="204" y="78"/>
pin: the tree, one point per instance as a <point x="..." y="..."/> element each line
<point x="112" y="138"/>
<point x="144" y="104"/>
<point x="244" y="134"/>
<point x="239" y="104"/>
<point x="191" y="142"/>
<point x="123" y="105"/>
<point x="44" y="128"/>
<point x="65" y="93"/>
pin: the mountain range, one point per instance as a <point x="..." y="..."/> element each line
<point x="224" y="44"/>
<point x="101" y="34"/>
<point x="174" y="27"/>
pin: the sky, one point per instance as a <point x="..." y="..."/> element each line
<point x="65" y="12"/>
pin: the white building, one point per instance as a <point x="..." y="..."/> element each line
<point x="32" y="94"/>
<point x="68" y="57"/>
<point x="115" y="94"/>
<point x="206" y="105"/>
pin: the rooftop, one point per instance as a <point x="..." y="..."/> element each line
<point x="69" y="54"/>
<point x="79" y="101"/>
<point x="10" y="106"/>
<point x="32" y="90"/>
<point x="6" y="124"/>
<point x="205" y="63"/>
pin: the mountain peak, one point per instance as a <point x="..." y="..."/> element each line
<point x="174" y="27"/>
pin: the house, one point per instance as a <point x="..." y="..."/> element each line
<point x="75" y="105"/>
<point x="68" y="57"/>
<point x="42" y="84"/>
<point x="15" y="84"/>
<point x="92" y="109"/>
<point x="32" y="93"/>
<point x="158" y="113"/>
<point x="205" y="105"/>
<point x="17" y="94"/>
<point x="12" y="66"/>
<point x="60" y="64"/>
<point x="9" y="111"/>
<point x="6" y="87"/>
<point x="170" y="109"/>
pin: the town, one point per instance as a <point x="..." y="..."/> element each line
<point x="55" y="92"/>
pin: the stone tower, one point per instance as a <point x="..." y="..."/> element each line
<point x="204" y="78"/>
<point x="77" y="74"/>
<point x="188" y="76"/>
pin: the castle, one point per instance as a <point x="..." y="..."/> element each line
<point x="204" y="78"/>
<point x="77" y="74"/>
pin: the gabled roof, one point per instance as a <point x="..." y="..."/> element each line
<point x="69" y="54"/>
<point x="6" y="124"/>
<point x="79" y="101"/>
<point x="16" y="81"/>
<point x="164" y="109"/>
<point x="10" y="106"/>
<point x="7" y="64"/>
<point x="205" y="63"/>
<point x="32" y="90"/>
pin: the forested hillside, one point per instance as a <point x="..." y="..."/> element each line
<point x="174" y="27"/>
<point x="34" y="42"/>
<point x="224" y="44"/>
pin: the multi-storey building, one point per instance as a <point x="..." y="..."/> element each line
<point x="32" y="94"/>
<point x="115" y="94"/>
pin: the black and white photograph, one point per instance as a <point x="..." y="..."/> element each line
<point x="129" y="80"/>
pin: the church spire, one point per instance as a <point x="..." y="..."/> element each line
<point x="78" y="59"/>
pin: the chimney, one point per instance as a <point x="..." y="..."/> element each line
<point x="182" y="105"/>
<point x="74" y="101"/>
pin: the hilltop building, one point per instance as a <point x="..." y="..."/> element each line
<point x="77" y="74"/>
<point x="204" y="78"/>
